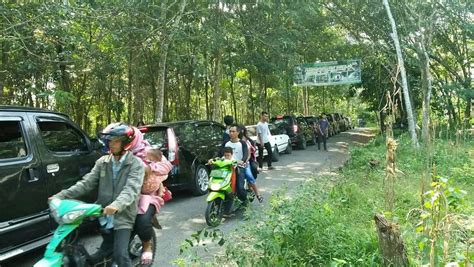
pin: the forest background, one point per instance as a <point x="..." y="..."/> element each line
<point x="153" y="61"/>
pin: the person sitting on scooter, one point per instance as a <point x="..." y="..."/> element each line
<point x="118" y="177"/>
<point x="151" y="199"/>
<point x="240" y="154"/>
<point x="227" y="151"/>
<point x="249" y="173"/>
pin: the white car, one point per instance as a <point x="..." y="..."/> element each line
<point x="279" y="142"/>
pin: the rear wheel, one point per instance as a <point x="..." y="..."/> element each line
<point x="289" y="148"/>
<point x="200" y="181"/>
<point x="275" y="154"/>
<point x="302" y="143"/>
<point x="214" y="211"/>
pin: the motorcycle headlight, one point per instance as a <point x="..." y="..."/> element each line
<point x="215" y="187"/>
<point x="55" y="216"/>
<point x="72" y="216"/>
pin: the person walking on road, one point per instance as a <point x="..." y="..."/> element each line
<point x="323" y="128"/>
<point x="263" y="141"/>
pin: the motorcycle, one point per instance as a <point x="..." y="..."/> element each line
<point x="221" y="186"/>
<point x="65" y="249"/>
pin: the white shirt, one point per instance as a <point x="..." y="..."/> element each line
<point x="263" y="131"/>
<point x="238" y="153"/>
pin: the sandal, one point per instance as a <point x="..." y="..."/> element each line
<point x="260" y="198"/>
<point x="146" y="258"/>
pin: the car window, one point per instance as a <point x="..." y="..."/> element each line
<point x="12" y="143"/>
<point x="217" y="132"/>
<point x="251" y="130"/>
<point x="204" y="133"/>
<point x="274" y="130"/>
<point x="185" y="132"/>
<point x="61" y="137"/>
<point x="285" y="120"/>
<point x="301" y="120"/>
<point x="157" y="137"/>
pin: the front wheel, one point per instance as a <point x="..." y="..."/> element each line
<point x="214" y="211"/>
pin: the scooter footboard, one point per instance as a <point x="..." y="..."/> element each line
<point x="54" y="260"/>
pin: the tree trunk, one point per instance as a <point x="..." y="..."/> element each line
<point x="390" y="243"/>
<point x="426" y="88"/>
<point x="161" y="83"/>
<point x="216" y="79"/>
<point x="305" y="101"/>
<point x="3" y="72"/>
<point x="129" y="89"/>
<point x="252" y="100"/>
<point x="234" y="101"/>
<point x="288" y="96"/>
<point x="165" y="42"/>
<point x="406" y="93"/>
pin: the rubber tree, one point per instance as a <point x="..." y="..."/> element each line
<point x="401" y="64"/>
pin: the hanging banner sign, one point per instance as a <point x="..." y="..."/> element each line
<point x="327" y="73"/>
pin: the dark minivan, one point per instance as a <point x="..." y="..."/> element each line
<point x="188" y="145"/>
<point x="296" y="128"/>
<point x="41" y="152"/>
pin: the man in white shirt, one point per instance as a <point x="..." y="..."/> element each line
<point x="263" y="140"/>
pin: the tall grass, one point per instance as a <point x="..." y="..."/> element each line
<point x="331" y="224"/>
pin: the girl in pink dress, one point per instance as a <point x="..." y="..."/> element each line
<point x="151" y="199"/>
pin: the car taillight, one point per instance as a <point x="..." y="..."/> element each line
<point x="172" y="147"/>
<point x="143" y="129"/>
<point x="295" y="128"/>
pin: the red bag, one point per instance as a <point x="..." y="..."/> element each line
<point x="233" y="180"/>
<point x="167" y="195"/>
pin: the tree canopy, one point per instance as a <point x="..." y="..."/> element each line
<point x="104" y="61"/>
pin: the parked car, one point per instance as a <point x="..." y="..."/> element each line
<point x="41" y="152"/>
<point x="296" y="128"/>
<point x="280" y="142"/>
<point x="349" y="124"/>
<point x="340" y="121"/>
<point x="188" y="145"/>
<point x="312" y="121"/>
<point x="334" y="125"/>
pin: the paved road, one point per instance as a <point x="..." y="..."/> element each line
<point x="184" y="215"/>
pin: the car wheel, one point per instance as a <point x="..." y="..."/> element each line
<point x="275" y="154"/>
<point x="200" y="181"/>
<point x="314" y="141"/>
<point x="289" y="148"/>
<point x="302" y="143"/>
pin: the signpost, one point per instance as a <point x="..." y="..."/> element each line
<point x="327" y="73"/>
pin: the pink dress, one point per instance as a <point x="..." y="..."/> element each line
<point x="160" y="170"/>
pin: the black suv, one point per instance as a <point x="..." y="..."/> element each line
<point x="296" y="128"/>
<point x="41" y="152"/>
<point x="188" y="145"/>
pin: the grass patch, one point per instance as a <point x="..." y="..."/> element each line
<point x="329" y="220"/>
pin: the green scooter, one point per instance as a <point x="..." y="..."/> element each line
<point x="221" y="186"/>
<point x="64" y="248"/>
